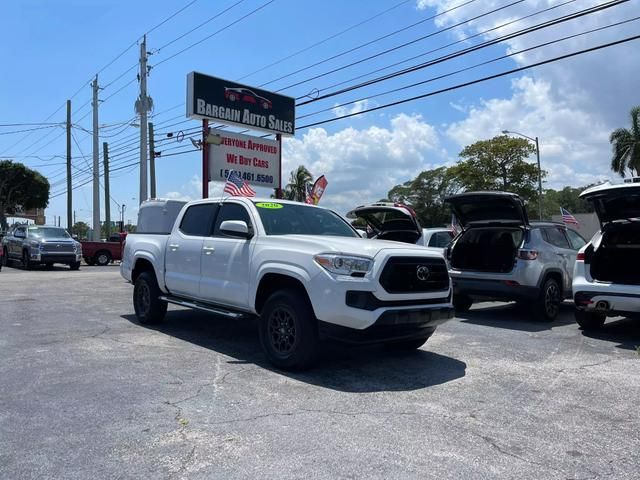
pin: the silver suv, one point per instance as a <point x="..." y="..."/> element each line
<point x="34" y="245"/>
<point x="500" y="255"/>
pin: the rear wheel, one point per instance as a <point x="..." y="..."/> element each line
<point x="462" y="303"/>
<point x="407" y="345"/>
<point x="288" y="331"/>
<point x="589" y="320"/>
<point x="103" y="258"/>
<point x="550" y="299"/>
<point x="146" y="299"/>
<point x="74" y="266"/>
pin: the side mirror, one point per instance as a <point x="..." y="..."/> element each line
<point x="236" y="228"/>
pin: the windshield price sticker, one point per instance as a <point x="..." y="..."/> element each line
<point x="269" y="205"/>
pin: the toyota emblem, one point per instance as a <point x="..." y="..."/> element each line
<point x="422" y="272"/>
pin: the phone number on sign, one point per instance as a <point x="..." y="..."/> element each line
<point x="250" y="177"/>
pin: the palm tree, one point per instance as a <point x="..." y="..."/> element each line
<point x="626" y="146"/>
<point x="296" y="188"/>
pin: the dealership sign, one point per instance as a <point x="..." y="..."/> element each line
<point x="218" y="100"/>
<point x="257" y="160"/>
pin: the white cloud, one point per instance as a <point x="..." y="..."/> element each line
<point x="573" y="142"/>
<point x="362" y="165"/>
<point x="357" y="107"/>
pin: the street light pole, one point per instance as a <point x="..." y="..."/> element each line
<point x="539" y="180"/>
<point x="535" y="140"/>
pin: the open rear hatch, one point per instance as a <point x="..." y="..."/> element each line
<point x="493" y="227"/>
<point x="389" y="221"/>
<point x="616" y="256"/>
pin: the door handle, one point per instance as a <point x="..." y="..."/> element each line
<point x="208" y="250"/>
<point x="174" y="246"/>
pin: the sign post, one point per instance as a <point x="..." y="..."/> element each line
<point x="205" y="159"/>
<point x="214" y="99"/>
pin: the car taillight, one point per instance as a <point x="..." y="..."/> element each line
<point x="527" y="254"/>
<point x="580" y="257"/>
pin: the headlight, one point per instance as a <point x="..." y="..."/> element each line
<point x="344" y="264"/>
<point x="35" y="244"/>
<point x="77" y="247"/>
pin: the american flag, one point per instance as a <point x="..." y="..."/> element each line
<point x="567" y="217"/>
<point x="238" y="187"/>
<point x="455" y="226"/>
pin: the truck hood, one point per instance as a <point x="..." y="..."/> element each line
<point x="315" y="244"/>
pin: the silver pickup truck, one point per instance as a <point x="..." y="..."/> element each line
<point x="36" y="245"/>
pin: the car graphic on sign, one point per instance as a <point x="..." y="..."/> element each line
<point x="247" y="96"/>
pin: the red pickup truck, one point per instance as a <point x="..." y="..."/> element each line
<point x="103" y="253"/>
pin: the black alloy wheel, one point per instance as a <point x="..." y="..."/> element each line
<point x="550" y="300"/>
<point x="288" y="330"/>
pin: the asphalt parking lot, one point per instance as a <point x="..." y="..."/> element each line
<point x="86" y="392"/>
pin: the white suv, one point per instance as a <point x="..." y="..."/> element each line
<point x="606" y="279"/>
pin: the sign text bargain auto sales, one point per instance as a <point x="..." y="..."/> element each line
<point x="243" y="116"/>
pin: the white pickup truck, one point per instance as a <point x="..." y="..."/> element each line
<point x="301" y="269"/>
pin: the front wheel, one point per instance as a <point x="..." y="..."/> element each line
<point x="550" y="299"/>
<point x="589" y="320"/>
<point x="146" y="300"/>
<point x="288" y="331"/>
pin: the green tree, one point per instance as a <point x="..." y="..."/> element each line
<point x="296" y="188"/>
<point x="626" y="146"/>
<point x="426" y="194"/>
<point x="20" y="187"/>
<point x="567" y="198"/>
<point x="499" y="164"/>
<point x="81" y="229"/>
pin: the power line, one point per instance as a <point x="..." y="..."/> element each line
<point x="29" y="129"/>
<point x="375" y="40"/>
<point x="487" y="62"/>
<point x="331" y="37"/>
<point x="474" y="48"/>
<point x="473" y="82"/>
<point x="462" y="40"/>
<point x="215" y="33"/>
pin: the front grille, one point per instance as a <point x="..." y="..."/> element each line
<point x="55" y="247"/>
<point x="414" y="274"/>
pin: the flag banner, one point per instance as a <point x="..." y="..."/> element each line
<point x="455" y="226"/>
<point x="567" y="218"/>
<point x="238" y="187"/>
<point x="318" y="189"/>
<point x="308" y="197"/>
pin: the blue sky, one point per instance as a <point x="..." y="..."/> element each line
<point x="56" y="47"/>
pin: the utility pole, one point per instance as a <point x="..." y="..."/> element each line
<point x="152" y="162"/>
<point x="69" y="197"/>
<point x="107" y="203"/>
<point x="142" y="106"/>
<point x="95" y="236"/>
<point x="539" y="180"/>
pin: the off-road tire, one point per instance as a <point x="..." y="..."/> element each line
<point x="146" y="302"/>
<point x="462" y="303"/>
<point x="589" y="320"/>
<point x="406" y="345"/>
<point x="102" y="258"/>
<point x="288" y="330"/>
<point x="548" y="305"/>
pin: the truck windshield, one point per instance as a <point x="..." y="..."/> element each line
<point x="48" y="232"/>
<point x="289" y="219"/>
